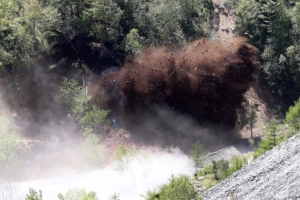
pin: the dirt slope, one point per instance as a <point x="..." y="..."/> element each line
<point x="275" y="175"/>
<point x="254" y="96"/>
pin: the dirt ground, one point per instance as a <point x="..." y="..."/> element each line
<point x="253" y="96"/>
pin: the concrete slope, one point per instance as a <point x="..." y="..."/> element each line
<point x="274" y="175"/>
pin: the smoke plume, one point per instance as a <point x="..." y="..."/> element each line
<point x="206" y="79"/>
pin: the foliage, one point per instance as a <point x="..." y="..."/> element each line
<point x="293" y="116"/>
<point x="177" y="188"/>
<point x="79" y="104"/>
<point x="173" y="23"/>
<point x="115" y="197"/>
<point x="94" y="152"/>
<point x="197" y="154"/>
<point x="30" y="29"/>
<point x="9" y="143"/>
<point x="273" y="27"/>
<point x="133" y="42"/>
<point x="104" y="18"/>
<point x="223" y="168"/>
<point x="124" y="158"/>
<point x="252" y="116"/>
<point x="75" y="100"/>
<point x="68" y="91"/>
<point x="220" y="170"/>
<point x="78" y="194"/>
<point x="26" y="31"/>
<point x="236" y="163"/>
<point x="232" y="4"/>
<point x="272" y="139"/>
<point x="247" y="14"/>
<point x="34" y="195"/>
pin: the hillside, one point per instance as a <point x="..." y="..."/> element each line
<point x="274" y="175"/>
<point x="82" y="81"/>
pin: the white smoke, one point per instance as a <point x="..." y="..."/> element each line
<point x="150" y="170"/>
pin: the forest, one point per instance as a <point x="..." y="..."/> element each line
<point x="73" y="63"/>
<point x="44" y="41"/>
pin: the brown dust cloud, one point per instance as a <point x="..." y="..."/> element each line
<point x="205" y="81"/>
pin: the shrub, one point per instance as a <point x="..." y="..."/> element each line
<point x="236" y="163"/>
<point x="94" y="152"/>
<point x="197" y="154"/>
<point x="68" y="90"/>
<point x="34" y="195"/>
<point x="79" y="104"/>
<point x="133" y="42"/>
<point x="124" y="158"/>
<point x="9" y="143"/>
<point x="177" y="188"/>
<point x="78" y="194"/>
<point x="272" y="139"/>
<point x="293" y="116"/>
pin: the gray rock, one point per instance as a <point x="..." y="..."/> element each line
<point x="273" y="176"/>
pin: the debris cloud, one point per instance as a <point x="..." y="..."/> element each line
<point x="206" y="79"/>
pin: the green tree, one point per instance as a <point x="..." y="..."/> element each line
<point x="124" y="158"/>
<point x="75" y="100"/>
<point x="236" y="163"/>
<point x="293" y="116"/>
<point x="197" y="154"/>
<point x="68" y="91"/>
<point x="247" y="12"/>
<point x="115" y="197"/>
<point x="34" y="195"/>
<point x="177" y="188"/>
<point x="78" y="194"/>
<point x="223" y="166"/>
<point x="252" y="116"/>
<point x="215" y="169"/>
<point x="133" y="42"/>
<point x="273" y="27"/>
<point x="272" y="139"/>
<point x="104" y="18"/>
<point x="94" y="151"/>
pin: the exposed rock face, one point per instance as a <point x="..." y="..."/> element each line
<point x="274" y="175"/>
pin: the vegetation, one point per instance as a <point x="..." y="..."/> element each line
<point x="273" y="27"/>
<point x="124" y="159"/>
<point x="78" y="194"/>
<point x="219" y="170"/>
<point x="34" y="195"/>
<point x="197" y="154"/>
<point x="177" y="188"/>
<point x="32" y="28"/>
<point x="273" y="138"/>
<point x="68" y="40"/>
<point x="9" y="143"/>
<point x="93" y="150"/>
<point x="252" y="118"/>
<point x="115" y="197"/>
<point x="293" y="116"/>
<point x="75" y="100"/>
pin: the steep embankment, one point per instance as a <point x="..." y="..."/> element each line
<point x="274" y="175"/>
<point x="254" y="96"/>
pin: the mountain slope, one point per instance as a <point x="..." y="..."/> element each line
<point x="274" y="175"/>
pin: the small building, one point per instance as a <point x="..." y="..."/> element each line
<point x="225" y="154"/>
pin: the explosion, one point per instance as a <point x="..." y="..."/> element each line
<point x="206" y="79"/>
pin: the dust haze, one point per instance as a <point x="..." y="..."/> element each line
<point x="164" y="99"/>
